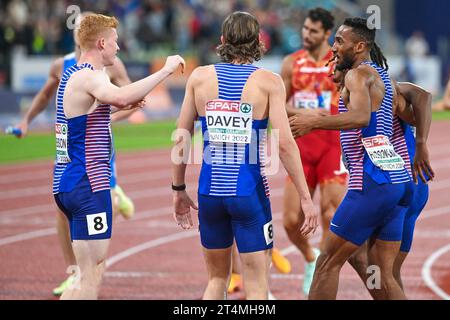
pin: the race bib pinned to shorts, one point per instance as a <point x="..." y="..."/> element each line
<point x="382" y="154"/>
<point x="310" y="100"/>
<point x="62" y="153"/>
<point x="229" y="121"/>
<point x="268" y="232"/>
<point x="97" y="223"/>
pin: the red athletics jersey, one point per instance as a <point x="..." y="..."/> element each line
<point x="312" y="88"/>
<point x="310" y="80"/>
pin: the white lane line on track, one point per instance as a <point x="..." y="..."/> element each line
<point x="23" y="173"/>
<point x="27" y="236"/>
<point x="145" y="193"/>
<point x="43" y="168"/>
<point x="21" y="176"/>
<point x="8" y="216"/>
<point x="162" y="174"/>
<point x="429" y="213"/>
<point x="277" y="276"/>
<point x="152" y="158"/>
<point x="148" y="245"/>
<point x="292" y="248"/>
<point x="45" y="190"/>
<point x="24" y="211"/>
<point x="298" y="276"/>
<point x="426" y="272"/>
<point x="440" y="164"/>
<point x="135" y="195"/>
<point x="159" y="241"/>
<point x="439" y="185"/>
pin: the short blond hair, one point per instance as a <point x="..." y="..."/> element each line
<point x="92" y="26"/>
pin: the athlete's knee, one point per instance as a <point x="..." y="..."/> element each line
<point x="387" y="281"/>
<point x="291" y="222"/>
<point x="359" y="260"/>
<point x="328" y="213"/>
<point x="396" y="273"/>
<point x="252" y="265"/>
<point x="326" y="263"/>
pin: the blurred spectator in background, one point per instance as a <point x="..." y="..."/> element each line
<point x="150" y="25"/>
<point x="153" y="28"/>
<point x="416" y="45"/>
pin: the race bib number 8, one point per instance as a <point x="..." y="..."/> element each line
<point x="97" y="223"/>
<point x="62" y="153"/>
<point x="382" y="154"/>
<point x="268" y="232"/>
<point x="229" y="121"/>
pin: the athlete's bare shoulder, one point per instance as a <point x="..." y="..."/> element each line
<point x="87" y="80"/>
<point x="268" y="80"/>
<point x="288" y="62"/>
<point x="362" y="74"/>
<point x="289" y="59"/>
<point x="202" y="73"/>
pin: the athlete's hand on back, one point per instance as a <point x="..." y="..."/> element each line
<point x="183" y="204"/>
<point x="173" y="62"/>
<point x="422" y="164"/>
<point x="311" y="218"/>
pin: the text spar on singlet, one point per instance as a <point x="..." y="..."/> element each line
<point x="229" y="121"/>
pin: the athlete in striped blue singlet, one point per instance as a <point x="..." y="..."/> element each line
<point x="234" y="101"/>
<point x="81" y="183"/>
<point x="409" y="95"/>
<point x="121" y="203"/>
<point x="380" y="185"/>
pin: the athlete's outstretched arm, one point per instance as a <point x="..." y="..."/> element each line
<point x="289" y="153"/>
<point x="357" y="82"/>
<point x="180" y="155"/>
<point x="103" y="90"/>
<point x="119" y="76"/>
<point x="420" y="100"/>
<point x="42" y="98"/>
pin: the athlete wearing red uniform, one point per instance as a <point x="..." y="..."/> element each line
<point x="312" y="88"/>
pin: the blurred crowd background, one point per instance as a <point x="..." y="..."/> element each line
<point x="414" y="34"/>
